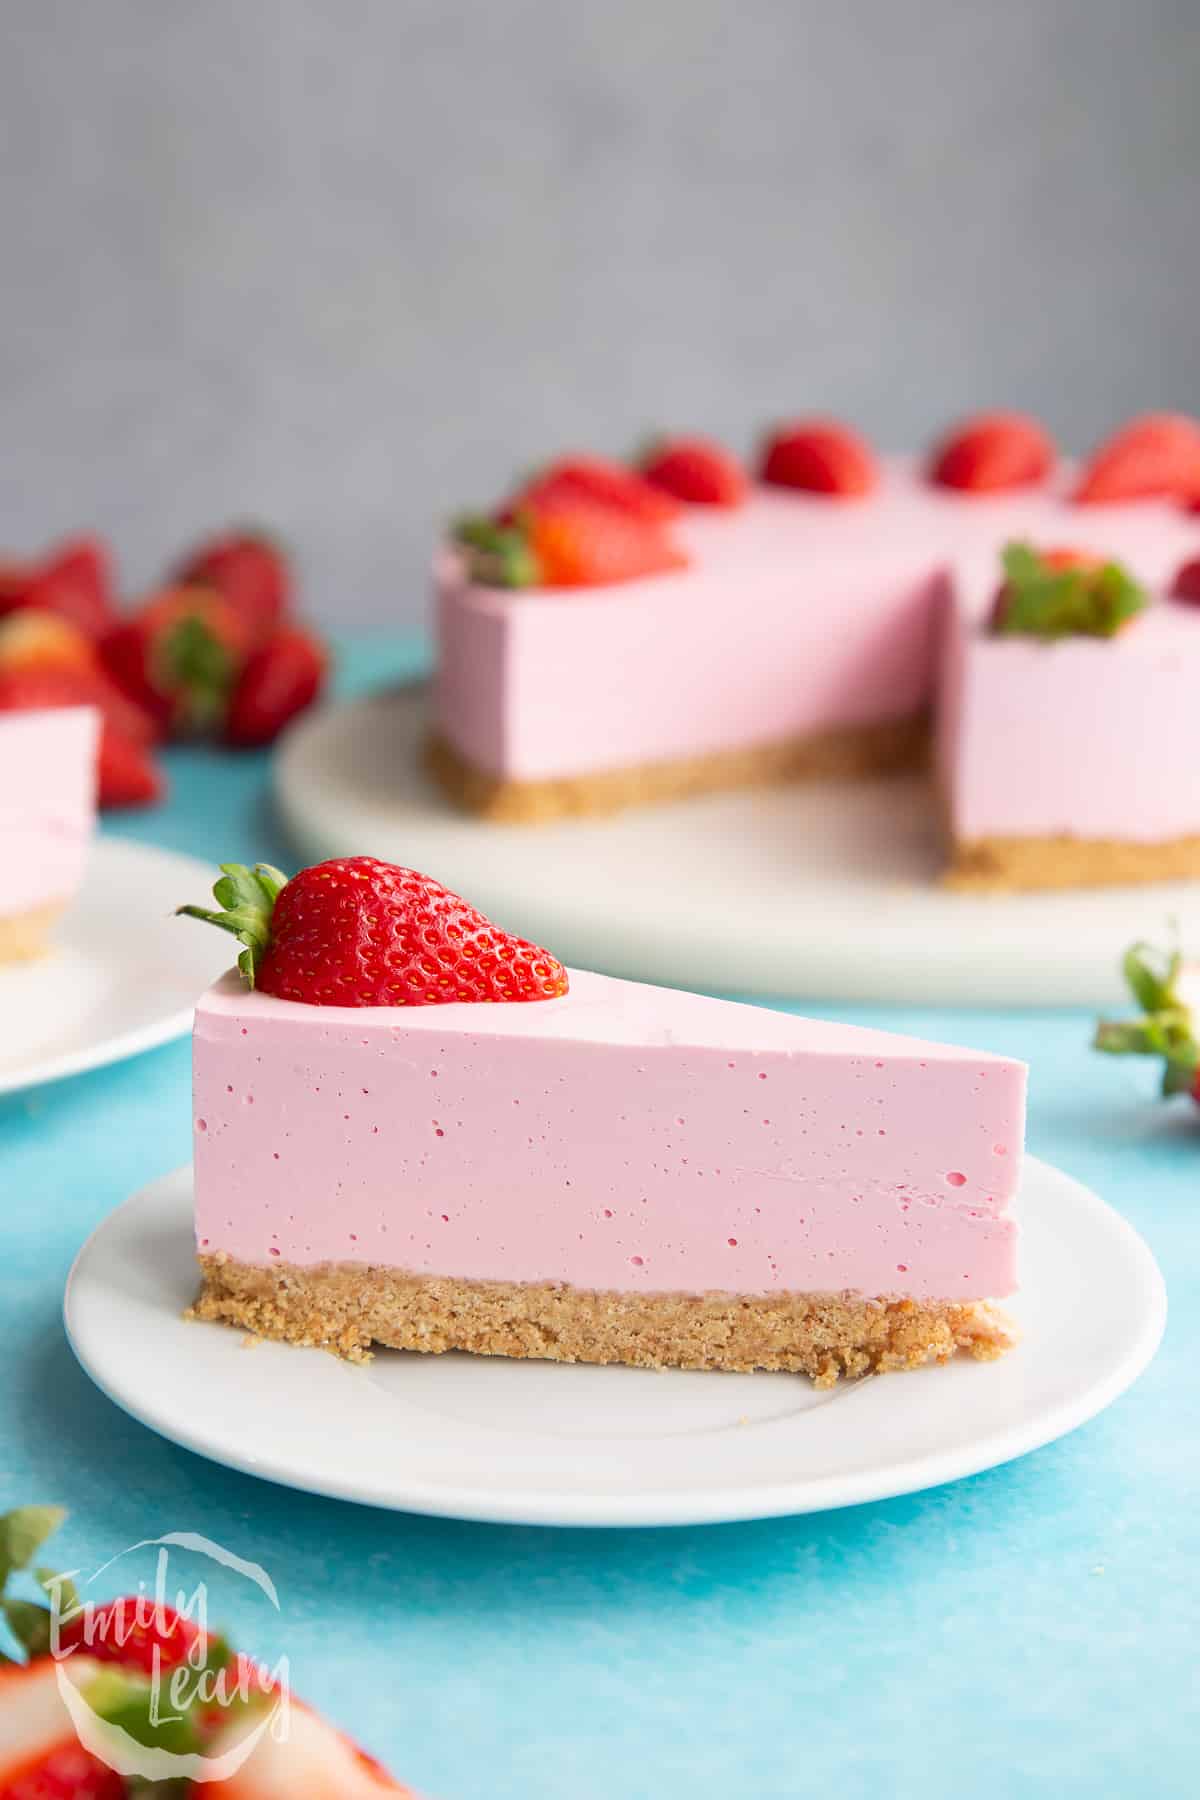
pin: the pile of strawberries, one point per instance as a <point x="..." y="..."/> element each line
<point x="213" y="653"/>
<point x="587" y="520"/>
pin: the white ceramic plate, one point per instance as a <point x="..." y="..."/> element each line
<point x="559" y="1444"/>
<point x="122" y="975"/>
<point x="819" y="890"/>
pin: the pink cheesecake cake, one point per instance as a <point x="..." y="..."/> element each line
<point x="47" y="813"/>
<point x="1097" y="781"/>
<point x="801" y="628"/>
<point x="415" y="1131"/>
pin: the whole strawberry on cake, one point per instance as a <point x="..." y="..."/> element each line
<point x="613" y="635"/>
<point x="415" y="1129"/>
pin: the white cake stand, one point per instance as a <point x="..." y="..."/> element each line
<point x="821" y="891"/>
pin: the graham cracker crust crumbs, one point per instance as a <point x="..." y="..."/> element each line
<point x="348" y="1307"/>
<point x="23" y="936"/>
<point x="1006" y="864"/>
<point x="895" y="746"/>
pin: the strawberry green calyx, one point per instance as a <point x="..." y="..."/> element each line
<point x="1165" y="1029"/>
<point x="1047" y="597"/>
<point x="246" y="898"/>
<point x="497" y="555"/>
<point x="192" y="663"/>
<point x="22" y="1534"/>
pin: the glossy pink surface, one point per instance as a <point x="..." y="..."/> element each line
<point x="623" y="1137"/>
<point x="47" y="804"/>
<point x="798" y="612"/>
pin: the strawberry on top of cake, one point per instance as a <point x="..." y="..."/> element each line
<point x="794" y="619"/>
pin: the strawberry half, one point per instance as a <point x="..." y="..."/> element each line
<point x="992" y="452"/>
<point x="1166" y="1029"/>
<point x="250" y="571"/>
<point x="697" y="471"/>
<point x="314" y="1762"/>
<point x="566" y="544"/>
<point x="592" y="480"/>
<point x="822" y="457"/>
<point x="360" y="932"/>
<point x="1155" y="456"/>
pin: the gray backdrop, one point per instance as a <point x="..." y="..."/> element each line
<point x="344" y="265"/>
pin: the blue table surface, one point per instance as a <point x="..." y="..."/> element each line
<point x="1029" y="1631"/>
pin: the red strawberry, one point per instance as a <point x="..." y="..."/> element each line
<point x="131" y="1631"/>
<point x="820" y="456"/>
<point x="36" y="684"/>
<point x="1067" y="558"/>
<point x="313" y="1762"/>
<point x="281" y="678"/>
<point x="179" y="656"/>
<point x="696" y="470"/>
<point x="1155" y="455"/>
<point x="595" y="480"/>
<point x="567" y="544"/>
<point x="126" y="774"/>
<point x="1166" y="988"/>
<point x="73" y="581"/>
<point x="40" y="1755"/>
<point x="250" y="571"/>
<point x="67" y="1773"/>
<point x="360" y="932"/>
<point x="1186" y="583"/>
<point x="992" y="452"/>
<point x="125" y="771"/>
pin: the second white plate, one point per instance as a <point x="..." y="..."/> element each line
<point x="557" y="1444"/>
<point x="122" y="973"/>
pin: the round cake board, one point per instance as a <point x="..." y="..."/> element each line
<point x="814" y="890"/>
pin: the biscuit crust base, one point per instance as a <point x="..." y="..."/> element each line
<point x="348" y="1307"/>
<point x="895" y="746"/>
<point x="24" y="935"/>
<point x="1001" y="865"/>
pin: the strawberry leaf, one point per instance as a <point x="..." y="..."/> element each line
<point x="22" y="1534"/>
<point x="29" y="1624"/>
<point x="1165" y="1029"/>
<point x="1039" y="599"/>
<point x="497" y="555"/>
<point x="60" y="1589"/>
<point x="247" y="901"/>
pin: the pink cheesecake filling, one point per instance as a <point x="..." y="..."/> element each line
<point x="623" y="1137"/>
<point x="1016" y="714"/>
<point x="797" y="614"/>
<point x="47" y="805"/>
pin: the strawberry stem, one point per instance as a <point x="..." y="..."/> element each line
<point x="246" y="898"/>
<point x="1165" y="1028"/>
<point x="497" y="555"/>
<point x="1040" y="600"/>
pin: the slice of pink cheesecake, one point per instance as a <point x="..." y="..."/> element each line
<point x="47" y="815"/>
<point x="1069" y="760"/>
<point x="619" y="1173"/>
